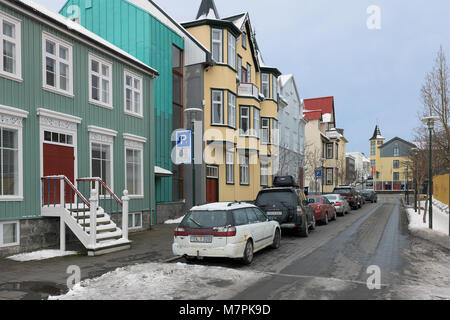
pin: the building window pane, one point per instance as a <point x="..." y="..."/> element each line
<point x="256" y="122"/>
<point x="265" y="85"/>
<point x="217" y="45"/>
<point x="230" y="167"/>
<point x="231" y="110"/>
<point x="265" y="131"/>
<point x="58" y="65"/>
<point x="217" y="107"/>
<point x="231" y="50"/>
<point x="10" y="43"/>
<point x="9" y="233"/>
<point x="134" y="171"/>
<point x="264" y="174"/>
<point x="9" y="162"/>
<point x="244" y="169"/>
<point x="101" y="164"/>
<point x="133" y="94"/>
<point x="101" y="81"/>
<point x="245" y="121"/>
<point x="274" y="88"/>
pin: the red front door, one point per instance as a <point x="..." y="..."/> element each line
<point x="211" y="190"/>
<point x="58" y="160"/>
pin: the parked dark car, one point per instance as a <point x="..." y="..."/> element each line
<point x="349" y="193"/>
<point x="362" y="200"/>
<point x="287" y="204"/>
<point x="370" y="195"/>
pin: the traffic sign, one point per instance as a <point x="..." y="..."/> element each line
<point x="318" y="173"/>
<point x="183" y="147"/>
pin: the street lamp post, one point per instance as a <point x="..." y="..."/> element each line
<point x="429" y="121"/>
<point x="193" y="111"/>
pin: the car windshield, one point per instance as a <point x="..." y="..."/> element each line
<point x="268" y="198"/>
<point x="332" y="198"/>
<point x="342" y="191"/>
<point x="205" y="219"/>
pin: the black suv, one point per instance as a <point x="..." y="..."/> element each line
<point x="287" y="204"/>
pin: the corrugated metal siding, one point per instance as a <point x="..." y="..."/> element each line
<point x="29" y="96"/>
<point x="143" y="36"/>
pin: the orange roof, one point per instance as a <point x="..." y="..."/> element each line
<point x="315" y="108"/>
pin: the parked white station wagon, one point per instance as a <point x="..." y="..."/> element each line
<point x="226" y="229"/>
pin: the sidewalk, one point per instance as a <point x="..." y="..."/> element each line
<point x="39" y="279"/>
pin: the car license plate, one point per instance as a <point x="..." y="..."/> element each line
<point x="274" y="213"/>
<point x="201" y="239"/>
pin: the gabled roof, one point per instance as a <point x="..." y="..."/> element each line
<point x="207" y="10"/>
<point x="398" y="139"/>
<point x="377" y="134"/>
<point x="318" y="107"/>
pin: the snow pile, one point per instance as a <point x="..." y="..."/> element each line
<point x="440" y="218"/>
<point x="176" y="221"/>
<point x="41" y="255"/>
<point x="155" y="281"/>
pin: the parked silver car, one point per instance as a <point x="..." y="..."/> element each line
<point x="340" y="203"/>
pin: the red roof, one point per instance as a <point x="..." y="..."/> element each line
<point x="315" y="108"/>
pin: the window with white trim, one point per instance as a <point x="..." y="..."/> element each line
<point x="274" y="88"/>
<point x="244" y="121"/>
<point x="9" y="162"/>
<point x="239" y="67"/>
<point x="396" y="150"/>
<point x="217" y="45"/>
<point x="329" y="178"/>
<point x="9" y="233"/>
<point x="249" y="73"/>
<point x="10" y="47"/>
<point x="265" y="130"/>
<point x="275" y="133"/>
<point x="102" y="164"/>
<point x="133" y="94"/>
<point x="134" y="174"/>
<point x="100" y="81"/>
<point x="244" y="169"/>
<point x="231" y="110"/>
<point x="230" y="167"/>
<point x="217" y="107"/>
<point x="256" y="122"/>
<point x="264" y="174"/>
<point x="135" y="220"/>
<point x="57" y="65"/>
<point x="265" y="85"/>
<point x="231" y="50"/>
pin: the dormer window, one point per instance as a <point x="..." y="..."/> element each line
<point x="217" y="45"/>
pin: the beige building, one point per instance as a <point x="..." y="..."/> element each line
<point x="325" y="146"/>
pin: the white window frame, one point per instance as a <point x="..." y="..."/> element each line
<point x="232" y="109"/>
<point x="12" y="118"/>
<point x="2" y="223"/>
<point x="396" y="150"/>
<point x="241" y="116"/>
<point x="99" y="137"/>
<point x="274" y="88"/>
<point x="265" y="85"/>
<point x="264" y="174"/>
<point x="214" y="104"/>
<point x="249" y="73"/>
<point x="101" y="77"/>
<point x="230" y="169"/>
<point x="256" y="122"/>
<point x="17" y="41"/>
<point x="328" y="181"/>
<point x="134" y="77"/>
<point x="133" y="221"/>
<point x="265" y="131"/>
<point x="215" y="41"/>
<point x="135" y="143"/>
<point x="244" y="169"/>
<point x="231" y="51"/>
<point x="58" y="42"/>
<point x="239" y="67"/>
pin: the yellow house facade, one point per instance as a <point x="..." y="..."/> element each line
<point x="240" y="107"/>
<point x="390" y="163"/>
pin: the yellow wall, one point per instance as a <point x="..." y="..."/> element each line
<point x="441" y="186"/>
<point x="223" y="77"/>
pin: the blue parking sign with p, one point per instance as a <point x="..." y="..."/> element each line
<point x="184" y="138"/>
<point x="183" y="147"/>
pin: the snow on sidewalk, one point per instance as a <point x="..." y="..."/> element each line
<point x="176" y="221"/>
<point x="41" y="255"/>
<point x="155" y="281"/>
<point x="440" y="218"/>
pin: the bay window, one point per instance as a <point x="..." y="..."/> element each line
<point x="231" y="110"/>
<point x="217" y="107"/>
<point x="231" y="50"/>
<point x="217" y="45"/>
<point x="244" y="121"/>
<point x="265" y="85"/>
<point x="265" y="130"/>
<point x="256" y="122"/>
<point x="274" y="88"/>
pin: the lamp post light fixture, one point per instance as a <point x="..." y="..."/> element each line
<point x="429" y="121"/>
<point x="193" y="112"/>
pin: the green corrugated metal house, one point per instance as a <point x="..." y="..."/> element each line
<point x="145" y="31"/>
<point x="71" y="104"/>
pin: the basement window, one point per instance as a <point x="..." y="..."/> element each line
<point x="9" y="233"/>
<point x="135" y="220"/>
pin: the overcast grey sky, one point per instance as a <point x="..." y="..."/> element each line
<point x="374" y="75"/>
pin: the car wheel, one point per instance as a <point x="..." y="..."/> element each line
<point x="248" y="253"/>
<point x="276" y="239"/>
<point x="326" y="219"/>
<point x="304" y="232"/>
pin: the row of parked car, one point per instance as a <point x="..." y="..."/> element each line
<point x="238" y="230"/>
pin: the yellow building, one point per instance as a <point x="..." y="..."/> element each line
<point x="390" y="163"/>
<point x="240" y="107"/>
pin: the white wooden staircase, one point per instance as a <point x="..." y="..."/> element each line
<point x="60" y="198"/>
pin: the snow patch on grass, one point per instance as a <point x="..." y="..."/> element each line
<point x="41" y="255"/>
<point x="156" y="281"/>
<point x="440" y="218"/>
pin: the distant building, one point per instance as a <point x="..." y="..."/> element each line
<point x="362" y="167"/>
<point x="350" y="176"/>
<point x="390" y="164"/>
